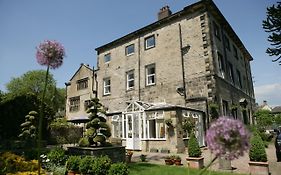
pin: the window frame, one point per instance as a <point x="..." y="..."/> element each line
<point x="239" y="78"/>
<point x="106" y="86"/>
<point x="227" y="43"/>
<point x="107" y="58"/>
<point x="128" y="80"/>
<point x="74" y="104"/>
<point x="127" y="50"/>
<point x="146" y="42"/>
<point x="217" y="30"/>
<point x="82" y="83"/>
<point x="235" y="51"/>
<point x="230" y="72"/>
<point x="147" y="76"/>
<point x="221" y="64"/>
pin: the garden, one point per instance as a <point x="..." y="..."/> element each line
<point x="35" y="143"/>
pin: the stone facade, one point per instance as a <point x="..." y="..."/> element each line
<point x="79" y="90"/>
<point x="197" y="59"/>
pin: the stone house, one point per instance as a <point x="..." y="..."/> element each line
<point x="79" y="91"/>
<point x="151" y="79"/>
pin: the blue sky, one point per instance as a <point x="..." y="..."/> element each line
<point x="83" y="25"/>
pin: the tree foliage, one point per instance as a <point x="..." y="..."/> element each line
<point x="97" y="129"/>
<point x="12" y="112"/>
<point x="32" y="82"/>
<point x="272" y="25"/>
<point x="264" y="119"/>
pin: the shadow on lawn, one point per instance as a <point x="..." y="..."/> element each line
<point x="140" y="166"/>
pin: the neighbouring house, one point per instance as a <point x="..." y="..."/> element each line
<point x="79" y="91"/>
<point x="265" y="106"/>
<point x="153" y="78"/>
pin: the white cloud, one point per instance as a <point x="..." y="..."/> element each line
<point x="269" y="92"/>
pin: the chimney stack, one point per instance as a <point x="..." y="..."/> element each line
<point x="164" y="12"/>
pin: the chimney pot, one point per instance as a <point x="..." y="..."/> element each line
<point x="164" y="12"/>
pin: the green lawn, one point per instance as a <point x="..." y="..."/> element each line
<point x="153" y="169"/>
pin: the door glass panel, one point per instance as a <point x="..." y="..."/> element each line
<point x="130" y="127"/>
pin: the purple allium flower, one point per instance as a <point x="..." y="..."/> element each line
<point x="228" y="138"/>
<point x="50" y="53"/>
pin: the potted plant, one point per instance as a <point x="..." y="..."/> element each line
<point x="258" y="159"/>
<point x="142" y="157"/>
<point x="177" y="160"/>
<point x="195" y="160"/>
<point x="72" y="165"/>
<point x="129" y="155"/>
<point x="168" y="160"/>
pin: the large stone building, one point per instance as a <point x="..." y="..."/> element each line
<point x="185" y="64"/>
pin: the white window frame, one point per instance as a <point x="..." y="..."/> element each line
<point x="151" y="75"/>
<point x="127" y="50"/>
<point x="147" y="46"/>
<point x="130" y="79"/>
<point x="107" y="58"/>
<point x="106" y="86"/>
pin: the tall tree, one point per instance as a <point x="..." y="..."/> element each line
<point x="272" y="25"/>
<point x="32" y="82"/>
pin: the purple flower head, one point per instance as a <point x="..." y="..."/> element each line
<point x="50" y="53"/>
<point x="228" y="138"/>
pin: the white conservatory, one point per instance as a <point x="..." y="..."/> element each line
<point x="155" y="127"/>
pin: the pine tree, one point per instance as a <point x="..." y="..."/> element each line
<point x="272" y="25"/>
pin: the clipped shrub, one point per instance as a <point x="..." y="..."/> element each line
<point x="57" y="156"/>
<point x="101" y="165"/>
<point x="84" y="142"/>
<point x="86" y="163"/>
<point x="257" y="149"/>
<point x="72" y="163"/>
<point x="193" y="147"/>
<point x="118" y="169"/>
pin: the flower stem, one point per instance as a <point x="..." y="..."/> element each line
<point x="205" y="168"/>
<point x="39" y="141"/>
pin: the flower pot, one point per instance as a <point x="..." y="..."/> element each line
<point x="169" y="161"/>
<point x="195" y="162"/>
<point x="259" y="168"/>
<point x="177" y="162"/>
<point x="128" y="158"/>
<point x="224" y="164"/>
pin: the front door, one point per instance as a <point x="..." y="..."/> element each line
<point x="133" y="132"/>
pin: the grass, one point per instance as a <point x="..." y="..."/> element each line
<point x="154" y="169"/>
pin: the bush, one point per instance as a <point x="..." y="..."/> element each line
<point x="101" y="165"/>
<point x="257" y="150"/>
<point x="118" y="169"/>
<point x="85" y="166"/>
<point x="193" y="147"/>
<point x="57" y="156"/>
<point x="73" y="163"/>
<point x="10" y="163"/>
<point x="84" y="142"/>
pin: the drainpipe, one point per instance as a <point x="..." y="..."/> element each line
<point x="139" y="69"/>
<point x="182" y="65"/>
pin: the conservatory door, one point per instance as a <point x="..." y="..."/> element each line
<point x="133" y="132"/>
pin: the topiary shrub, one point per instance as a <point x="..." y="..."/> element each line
<point x="101" y="165"/>
<point x="257" y="149"/>
<point x="57" y="156"/>
<point x="118" y="169"/>
<point x="85" y="166"/>
<point x="193" y="147"/>
<point x="72" y="163"/>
